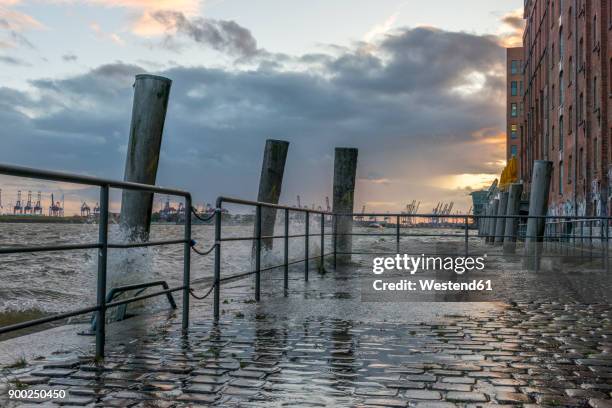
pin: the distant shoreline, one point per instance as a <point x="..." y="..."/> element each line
<point x="41" y="219"/>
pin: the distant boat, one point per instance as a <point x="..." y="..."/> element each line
<point x="374" y="225"/>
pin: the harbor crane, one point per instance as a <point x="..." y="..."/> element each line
<point x="18" y="208"/>
<point x="56" y="209"/>
<point x="28" y="206"/>
<point x="38" y="210"/>
<point x="85" y="210"/>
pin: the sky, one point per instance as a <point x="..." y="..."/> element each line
<point x="418" y="87"/>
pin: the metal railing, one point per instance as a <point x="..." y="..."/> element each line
<point x="458" y="222"/>
<point x="103" y="245"/>
<point x="258" y="238"/>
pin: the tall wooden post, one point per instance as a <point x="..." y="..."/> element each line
<point x="500" y="224"/>
<point x="492" y="221"/>
<point x="512" y="209"/>
<point x="538" y="206"/>
<point x="151" y="95"/>
<point x="345" y="169"/>
<point x="270" y="185"/>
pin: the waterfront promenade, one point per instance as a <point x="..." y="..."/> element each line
<point x="322" y="346"/>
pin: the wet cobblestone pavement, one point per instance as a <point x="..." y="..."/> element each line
<point x="317" y="348"/>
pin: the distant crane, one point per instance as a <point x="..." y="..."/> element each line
<point x="56" y="209"/>
<point x="38" y="210"/>
<point x="328" y="207"/>
<point x="85" y="210"/>
<point x="28" y="206"/>
<point x="18" y="208"/>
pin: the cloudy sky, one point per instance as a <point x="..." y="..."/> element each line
<point x="417" y="86"/>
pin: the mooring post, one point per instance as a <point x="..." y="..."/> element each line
<point x="187" y="264"/>
<point x="101" y="286"/>
<point x="286" y="255"/>
<point x="397" y="234"/>
<point x="500" y="224"/>
<point x="467" y="236"/>
<point x="512" y="211"/>
<point x="335" y="236"/>
<point x="151" y="95"/>
<point x="538" y="207"/>
<point x="345" y="169"/>
<point x="258" y="221"/>
<point x="493" y="221"/>
<point x="322" y="265"/>
<point x="306" y="245"/>
<point x="217" y="271"/>
<point x="270" y="185"/>
<point x="482" y="221"/>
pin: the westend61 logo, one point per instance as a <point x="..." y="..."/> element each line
<point x="406" y="264"/>
<point x="413" y="264"/>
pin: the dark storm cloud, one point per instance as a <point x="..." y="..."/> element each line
<point x="4" y="59"/>
<point x="69" y="57"/>
<point x="221" y="35"/>
<point x="415" y="104"/>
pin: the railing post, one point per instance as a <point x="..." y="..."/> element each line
<point x="217" y="283"/>
<point x="187" y="263"/>
<point x="397" y="234"/>
<point x="335" y="229"/>
<point x="467" y="236"/>
<point x="306" y="246"/>
<point x="102" y="258"/>
<point x="606" y="249"/>
<point x="286" y="255"/>
<point x="322" y="266"/>
<point x="258" y="253"/>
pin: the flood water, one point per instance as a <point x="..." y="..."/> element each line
<point x="37" y="284"/>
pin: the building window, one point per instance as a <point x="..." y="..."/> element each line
<point x="560" y="177"/>
<point x="581" y="108"/>
<point x="570" y="120"/>
<point x="561" y="89"/>
<point x="513" y="150"/>
<point x="569" y="170"/>
<point x="561" y="45"/>
<point x="561" y="135"/>
<point x="552" y="99"/>
<point x="580" y="163"/>
<point x="514" y="88"/>
<point x="595" y="102"/>
<point x="595" y="31"/>
<point x="571" y="70"/>
<point x="513" y="131"/>
<point x="515" y="67"/>
<point x="552" y="57"/>
<point x="521" y="83"/>
<point x="552" y="138"/>
<point x="513" y="110"/>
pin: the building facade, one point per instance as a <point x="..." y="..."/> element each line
<point x="514" y="92"/>
<point x="566" y="75"/>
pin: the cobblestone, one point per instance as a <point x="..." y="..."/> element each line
<point x="524" y="354"/>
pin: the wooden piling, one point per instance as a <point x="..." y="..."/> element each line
<point x="492" y="221"/>
<point x="149" y="108"/>
<point x="538" y="206"/>
<point x="345" y="169"/>
<point x="500" y="223"/>
<point x="270" y="185"/>
<point x="512" y="209"/>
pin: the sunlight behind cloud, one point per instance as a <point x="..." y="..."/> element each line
<point x="465" y="181"/>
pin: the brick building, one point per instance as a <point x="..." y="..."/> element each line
<point x="565" y="119"/>
<point x="514" y="91"/>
